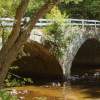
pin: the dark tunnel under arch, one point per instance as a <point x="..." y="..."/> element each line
<point x="87" y="59"/>
<point x="38" y="64"/>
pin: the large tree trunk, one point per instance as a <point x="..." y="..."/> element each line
<point x="20" y="35"/>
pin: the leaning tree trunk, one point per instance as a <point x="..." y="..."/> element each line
<point x="20" y="35"/>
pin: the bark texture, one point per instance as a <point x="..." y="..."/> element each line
<point x="20" y="35"/>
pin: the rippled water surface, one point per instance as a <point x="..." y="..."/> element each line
<point x="48" y="92"/>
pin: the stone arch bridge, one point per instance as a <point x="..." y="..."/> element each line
<point x="82" y="49"/>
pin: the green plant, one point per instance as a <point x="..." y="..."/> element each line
<point x="16" y="80"/>
<point x="6" y="95"/>
<point x="54" y="33"/>
<point x="59" y="35"/>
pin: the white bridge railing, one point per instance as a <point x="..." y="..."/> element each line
<point x="37" y="35"/>
<point x="77" y="22"/>
<point x="8" y="22"/>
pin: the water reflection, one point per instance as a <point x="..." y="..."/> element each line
<point x="65" y="92"/>
<point x="80" y="87"/>
<point x="91" y="92"/>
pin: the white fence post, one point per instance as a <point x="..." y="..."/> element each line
<point x="83" y="24"/>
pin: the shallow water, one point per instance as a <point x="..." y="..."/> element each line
<point x="49" y="92"/>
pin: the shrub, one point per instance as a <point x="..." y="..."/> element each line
<point x="54" y="33"/>
<point x="6" y="95"/>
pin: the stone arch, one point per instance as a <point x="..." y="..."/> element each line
<point x="87" y="59"/>
<point x="73" y="48"/>
<point x="36" y="62"/>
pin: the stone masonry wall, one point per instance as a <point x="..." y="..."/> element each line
<point x="73" y="47"/>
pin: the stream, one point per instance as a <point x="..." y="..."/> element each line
<point x="57" y="92"/>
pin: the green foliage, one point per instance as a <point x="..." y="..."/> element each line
<point x="54" y="33"/>
<point x="87" y="9"/>
<point x="75" y="1"/>
<point x="56" y="15"/>
<point x="4" y="33"/>
<point x="33" y="6"/>
<point x="15" y="80"/>
<point x="8" y="7"/>
<point x="11" y="81"/>
<point x="59" y="34"/>
<point x="5" y="95"/>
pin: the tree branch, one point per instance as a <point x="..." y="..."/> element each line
<point x="41" y="12"/>
<point x="19" y="36"/>
<point x="16" y="28"/>
<point x="25" y="33"/>
<point x="17" y="25"/>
